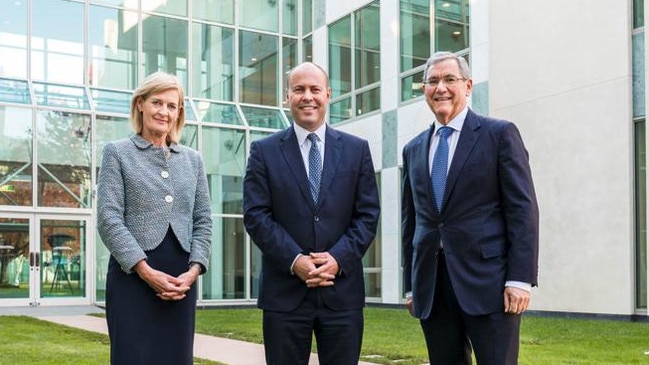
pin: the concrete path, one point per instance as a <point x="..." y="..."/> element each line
<point x="223" y="350"/>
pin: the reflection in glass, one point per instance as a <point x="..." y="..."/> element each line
<point x="264" y="15"/>
<point x="372" y="260"/>
<point x="367" y="45"/>
<point x="171" y="7"/>
<point x="307" y="16"/>
<point x="164" y="44"/>
<point x="225" y="279"/>
<point x="225" y="167"/>
<point x="289" y="59"/>
<point x="289" y="17"/>
<point x="411" y="86"/>
<point x="111" y="101"/>
<point x="218" y="113"/>
<point x="340" y="111"/>
<point x="451" y="25"/>
<point x="264" y="118"/>
<point x="641" y="214"/>
<point x="190" y="114"/>
<point x="13" y="40"/>
<point x="64" y="159"/>
<point x="63" y="252"/>
<point x="415" y="33"/>
<point x="57" y="41"/>
<point x="213" y="74"/>
<point x="61" y="96"/>
<point x="14" y="258"/>
<point x="307" y="50"/>
<point x="109" y="129"/>
<point x="189" y="136"/>
<point x="15" y="91"/>
<point x="368" y="101"/>
<point x="258" y="68"/>
<point x="113" y="48"/>
<point x="340" y="58"/>
<point x="219" y="11"/>
<point x="16" y="156"/>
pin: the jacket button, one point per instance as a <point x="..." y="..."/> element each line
<point x="316" y="218"/>
<point x="440" y="226"/>
<point x="169" y="198"/>
<point x="164" y="174"/>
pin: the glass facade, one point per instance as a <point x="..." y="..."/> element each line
<point x="451" y="24"/>
<point x="67" y="72"/>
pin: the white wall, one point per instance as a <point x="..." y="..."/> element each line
<point x="561" y="70"/>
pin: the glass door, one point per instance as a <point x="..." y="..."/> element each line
<point x="43" y="259"/>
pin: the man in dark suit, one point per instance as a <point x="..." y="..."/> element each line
<point x="311" y="205"/>
<point x="470" y="225"/>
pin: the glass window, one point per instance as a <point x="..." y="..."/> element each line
<point x="372" y="260"/>
<point x="258" y="68"/>
<point x="367" y="44"/>
<point x="289" y="60"/>
<point x="264" y="118"/>
<point x="110" y="101"/>
<point x="307" y="49"/>
<point x="225" y="279"/>
<point x="368" y="101"/>
<point x="259" y="14"/>
<point x="61" y="96"/>
<point x="15" y="91"/>
<point x="451" y="25"/>
<point x="340" y="110"/>
<point x="120" y="3"/>
<point x="108" y="129"/>
<point x="225" y="167"/>
<point x="340" y="58"/>
<point x="189" y="136"/>
<point x="411" y="86"/>
<point x="307" y="16"/>
<point x="415" y="33"/>
<point x="57" y="41"/>
<point x="289" y="17"/>
<point x="63" y="258"/>
<point x="16" y="156"/>
<point x="218" y="113"/>
<point x="213" y="61"/>
<point x="220" y="11"/>
<point x="164" y="43"/>
<point x="641" y="215"/>
<point x="190" y="114"/>
<point x="13" y="39"/>
<point x="113" y="48"/>
<point x="64" y="159"/>
<point x="171" y="7"/>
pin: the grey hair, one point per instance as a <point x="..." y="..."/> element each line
<point x="438" y="57"/>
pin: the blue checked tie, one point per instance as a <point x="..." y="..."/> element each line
<point x="315" y="166"/>
<point x="440" y="166"/>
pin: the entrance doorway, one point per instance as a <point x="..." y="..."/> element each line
<point x="44" y="259"/>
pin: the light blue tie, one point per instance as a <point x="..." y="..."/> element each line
<point x="315" y="167"/>
<point x="440" y="166"/>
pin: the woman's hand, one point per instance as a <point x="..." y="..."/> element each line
<point x="167" y="287"/>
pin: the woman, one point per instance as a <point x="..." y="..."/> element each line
<point x="154" y="218"/>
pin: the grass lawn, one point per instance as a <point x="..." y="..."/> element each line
<point x="30" y="341"/>
<point x="391" y="337"/>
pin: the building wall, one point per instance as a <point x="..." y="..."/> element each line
<point x="562" y="71"/>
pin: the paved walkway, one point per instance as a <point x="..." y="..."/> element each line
<point x="219" y="349"/>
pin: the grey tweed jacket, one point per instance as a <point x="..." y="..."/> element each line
<point x="141" y="193"/>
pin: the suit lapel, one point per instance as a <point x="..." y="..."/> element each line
<point x="291" y="151"/>
<point x="332" y="157"/>
<point x="468" y="137"/>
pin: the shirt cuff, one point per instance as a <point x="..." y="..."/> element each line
<point x="294" y="261"/>
<point x="520" y="285"/>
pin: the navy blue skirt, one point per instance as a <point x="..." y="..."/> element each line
<point x="143" y="328"/>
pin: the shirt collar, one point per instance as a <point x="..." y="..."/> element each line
<point x="456" y="123"/>
<point x="302" y="133"/>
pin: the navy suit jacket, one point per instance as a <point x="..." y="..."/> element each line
<point x="283" y="221"/>
<point x="488" y="223"/>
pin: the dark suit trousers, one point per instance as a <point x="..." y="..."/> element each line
<point x="338" y="333"/>
<point x="450" y="333"/>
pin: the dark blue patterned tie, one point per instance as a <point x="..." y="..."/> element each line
<point x="315" y="166"/>
<point x="440" y="166"/>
